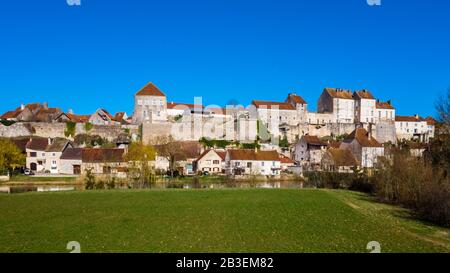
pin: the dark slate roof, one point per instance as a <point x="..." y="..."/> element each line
<point x="58" y="145"/>
<point x="72" y="154"/>
<point x="38" y="144"/>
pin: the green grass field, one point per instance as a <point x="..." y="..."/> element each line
<point x="232" y="220"/>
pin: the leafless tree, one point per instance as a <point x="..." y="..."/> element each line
<point x="443" y="108"/>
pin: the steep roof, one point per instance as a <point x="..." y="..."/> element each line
<point x="150" y="90"/>
<point x="286" y="160"/>
<point x="384" y="105"/>
<point x="313" y="140"/>
<point x="362" y="136"/>
<point x="38" y="144"/>
<point x="363" y="94"/>
<point x="430" y="120"/>
<point x="58" y="145"/>
<point x="246" y="154"/>
<point x="273" y="105"/>
<point x="334" y="144"/>
<point x="342" y="157"/>
<point x="119" y="116"/>
<point x="221" y="154"/>
<point x="295" y="98"/>
<point x="339" y="93"/>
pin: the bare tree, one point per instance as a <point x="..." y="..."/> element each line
<point x="443" y="108"/>
<point x="172" y="150"/>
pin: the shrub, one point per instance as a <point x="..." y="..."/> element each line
<point x="89" y="180"/>
<point x="415" y="184"/>
<point x="70" y="129"/>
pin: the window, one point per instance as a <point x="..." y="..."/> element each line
<point x="249" y="164"/>
<point x="106" y="169"/>
<point x="54" y="154"/>
<point x="54" y="162"/>
<point x="237" y="163"/>
<point x="33" y="154"/>
<point x="216" y="162"/>
<point x="262" y="163"/>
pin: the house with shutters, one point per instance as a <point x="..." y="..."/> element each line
<point x="245" y="162"/>
<point x="364" y="147"/>
<point x="365" y="106"/>
<point x="384" y="111"/>
<point x="308" y="152"/>
<point x="150" y="105"/>
<point x="211" y="161"/>
<point x="75" y="161"/>
<point x="339" y="103"/>
<point x="43" y="154"/>
<point x="414" y="127"/>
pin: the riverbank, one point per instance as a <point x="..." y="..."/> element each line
<point x="227" y="220"/>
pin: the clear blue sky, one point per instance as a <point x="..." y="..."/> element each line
<point x="101" y="53"/>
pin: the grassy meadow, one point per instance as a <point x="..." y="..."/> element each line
<point x="230" y="220"/>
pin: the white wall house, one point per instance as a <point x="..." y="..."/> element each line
<point x="413" y="127"/>
<point x="308" y="151"/>
<point x="150" y="105"/>
<point x="35" y="150"/>
<point x="384" y="111"/>
<point x="365" y="106"/>
<point x="252" y="162"/>
<point x="339" y="102"/>
<point x="212" y="161"/>
<point x="364" y="147"/>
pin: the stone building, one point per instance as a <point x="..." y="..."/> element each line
<point x="339" y="160"/>
<point x="150" y="104"/>
<point x="365" y="106"/>
<point x="212" y="161"/>
<point x="243" y="162"/>
<point x="339" y="102"/>
<point x="308" y="151"/>
<point x="364" y="147"/>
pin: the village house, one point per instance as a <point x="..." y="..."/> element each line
<point x="365" y="106"/>
<point x="339" y="102"/>
<point x="364" y="147"/>
<point x="384" y="111"/>
<point x="252" y="162"/>
<point x="308" y="151"/>
<point x="25" y="113"/>
<point x="211" y="161"/>
<point x="71" y="117"/>
<point x="53" y="154"/>
<point x="150" y="105"/>
<point x="414" y="127"/>
<point x="35" y="150"/>
<point x="175" y="109"/>
<point x="101" y="161"/>
<point x="186" y="154"/>
<point x="339" y="160"/>
<point x="286" y="163"/>
<point x="47" y="114"/>
<point x="102" y="117"/>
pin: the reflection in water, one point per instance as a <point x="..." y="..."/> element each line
<point x="194" y="184"/>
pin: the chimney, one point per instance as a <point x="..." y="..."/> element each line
<point x="416" y="116"/>
<point x="70" y="111"/>
<point x="45" y="105"/>
<point x="389" y="102"/>
<point x="370" y="128"/>
<point x="256" y="149"/>
<point x="49" y="141"/>
<point x="22" y="107"/>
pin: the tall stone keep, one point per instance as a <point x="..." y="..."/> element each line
<point x="150" y="105"/>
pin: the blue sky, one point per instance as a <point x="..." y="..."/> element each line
<point x="100" y="53"/>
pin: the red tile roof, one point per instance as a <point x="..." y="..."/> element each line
<point x="119" y="116"/>
<point x="150" y="90"/>
<point x="253" y="155"/>
<point x="342" y="157"/>
<point x="408" y="118"/>
<point x="313" y="140"/>
<point x="182" y="106"/>
<point x="362" y="136"/>
<point x="11" y="114"/>
<point x="273" y="105"/>
<point x="295" y="98"/>
<point x="221" y="154"/>
<point x="384" y="105"/>
<point x="102" y="155"/>
<point x="286" y="160"/>
<point x="364" y="94"/>
<point x="339" y="93"/>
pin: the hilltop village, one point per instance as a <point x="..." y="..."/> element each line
<point x="351" y="130"/>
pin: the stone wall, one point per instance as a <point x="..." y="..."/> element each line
<point x="53" y="130"/>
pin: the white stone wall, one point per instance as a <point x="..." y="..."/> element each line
<point x="257" y="167"/>
<point x="365" y="110"/>
<point x="344" y="110"/>
<point x="384" y="114"/>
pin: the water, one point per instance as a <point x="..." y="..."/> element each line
<point x="164" y="185"/>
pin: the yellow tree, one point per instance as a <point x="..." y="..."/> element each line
<point x="139" y="156"/>
<point x="10" y="156"/>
